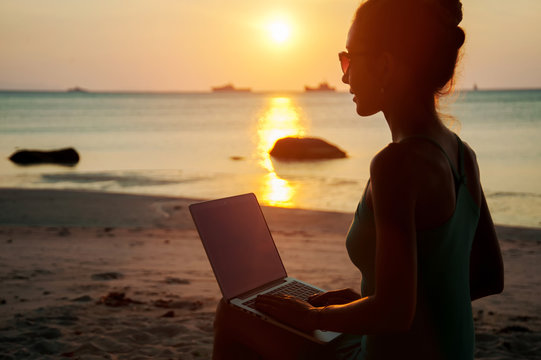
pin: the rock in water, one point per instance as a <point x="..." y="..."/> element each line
<point x="294" y="148"/>
<point x="67" y="156"/>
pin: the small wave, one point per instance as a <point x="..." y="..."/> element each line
<point x="502" y="194"/>
<point x="122" y="180"/>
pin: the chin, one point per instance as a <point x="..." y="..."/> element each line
<point x="365" y="110"/>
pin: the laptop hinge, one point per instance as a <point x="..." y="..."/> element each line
<point x="247" y="294"/>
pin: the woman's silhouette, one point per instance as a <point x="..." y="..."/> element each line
<point x="422" y="234"/>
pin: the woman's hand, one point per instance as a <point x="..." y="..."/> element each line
<point x="289" y="310"/>
<point x="335" y="297"/>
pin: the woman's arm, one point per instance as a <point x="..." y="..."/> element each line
<point x="486" y="264"/>
<point x="392" y="306"/>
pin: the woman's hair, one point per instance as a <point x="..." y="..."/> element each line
<point x="422" y="33"/>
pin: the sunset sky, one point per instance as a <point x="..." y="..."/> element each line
<point x="191" y="45"/>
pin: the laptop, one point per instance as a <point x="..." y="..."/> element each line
<point x="244" y="257"/>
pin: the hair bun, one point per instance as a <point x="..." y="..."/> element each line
<point x="460" y="37"/>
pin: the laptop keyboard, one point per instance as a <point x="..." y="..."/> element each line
<point x="294" y="288"/>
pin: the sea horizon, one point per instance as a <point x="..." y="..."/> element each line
<point x="252" y="91"/>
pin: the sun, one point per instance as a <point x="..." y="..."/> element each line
<point x="279" y="31"/>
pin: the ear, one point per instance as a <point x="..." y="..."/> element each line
<point x="386" y="68"/>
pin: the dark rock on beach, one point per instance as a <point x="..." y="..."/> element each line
<point x="174" y="280"/>
<point x="107" y="276"/>
<point x="180" y="304"/>
<point x="67" y="156"/>
<point x="293" y="148"/>
<point x="117" y="299"/>
<point x="169" y="314"/>
<point x="84" y="298"/>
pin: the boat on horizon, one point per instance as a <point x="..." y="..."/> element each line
<point x="77" y="89"/>
<point x="230" y="88"/>
<point x="323" y="86"/>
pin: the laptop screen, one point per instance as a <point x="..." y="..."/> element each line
<point x="238" y="243"/>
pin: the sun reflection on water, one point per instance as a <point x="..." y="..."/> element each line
<point x="281" y="119"/>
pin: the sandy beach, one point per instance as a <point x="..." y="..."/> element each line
<point x="90" y="275"/>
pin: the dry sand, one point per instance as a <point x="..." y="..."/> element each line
<point x="89" y="275"/>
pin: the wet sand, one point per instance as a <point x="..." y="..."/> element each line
<point x="94" y="275"/>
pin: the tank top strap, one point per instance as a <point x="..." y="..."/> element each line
<point x="461" y="166"/>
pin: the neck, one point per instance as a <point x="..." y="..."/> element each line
<point x="413" y="116"/>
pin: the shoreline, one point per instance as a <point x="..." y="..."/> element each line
<point x="94" y="274"/>
<point x="26" y="211"/>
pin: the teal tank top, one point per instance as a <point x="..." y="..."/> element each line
<point x="443" y="324"/>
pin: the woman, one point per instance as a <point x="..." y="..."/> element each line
<point x="422" y="235"/>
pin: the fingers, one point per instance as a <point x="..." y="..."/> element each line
<point x="275" y="298"/>
<point x="264" y="307"/>
<point x="267" y="303"/>
<point x="287" y="309"/>
<point x="322" y="299"/>
<point x="277" y="306"/>
<point x="317" y="300"/>
<point x="279" y="302"/>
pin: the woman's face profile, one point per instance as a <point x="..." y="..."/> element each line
<point x="361" y="75"/>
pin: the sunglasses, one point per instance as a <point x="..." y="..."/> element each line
<point x="345" y="59"/>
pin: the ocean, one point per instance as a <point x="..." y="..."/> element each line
<point x="209" y="145"/>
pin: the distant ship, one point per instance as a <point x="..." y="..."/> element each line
<point x="322" y="87"/>
<point x="77" y="89"/>
<point x="229" y="88"/>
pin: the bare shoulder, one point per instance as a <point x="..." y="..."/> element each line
<point x="415" y="176"/>
<point x="402" y="160"/>
<point x="394" y="168"/>
<point x="469" y="149"/>
<point x="389" y="158"/>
